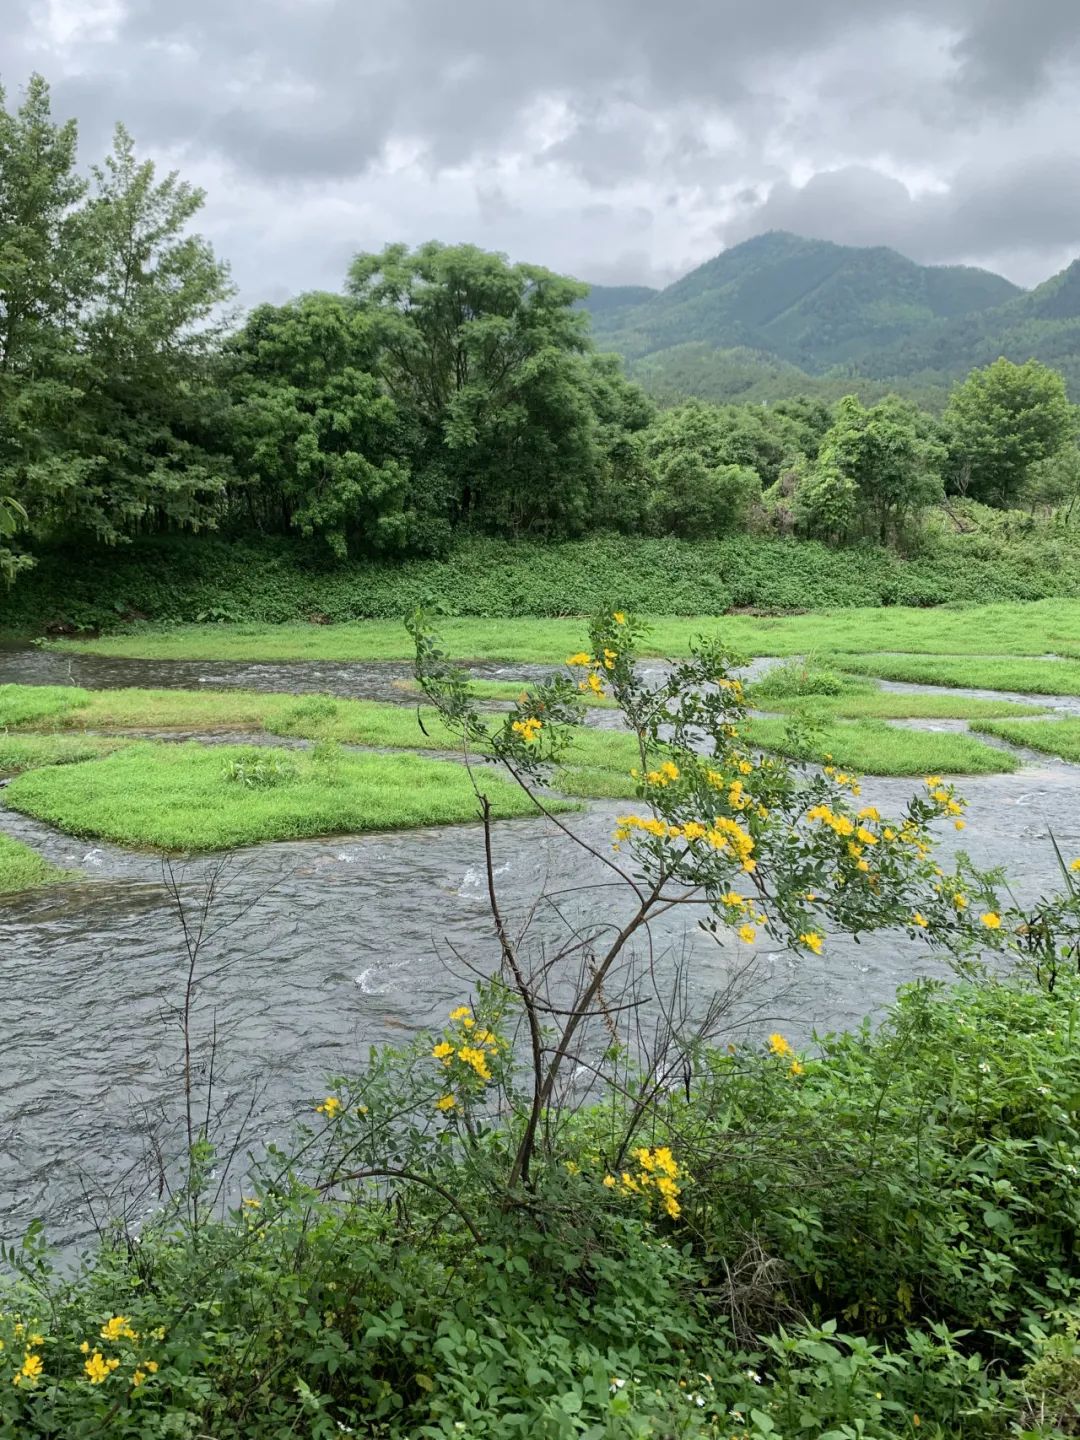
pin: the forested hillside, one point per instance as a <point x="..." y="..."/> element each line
<point x="781" y="315"/>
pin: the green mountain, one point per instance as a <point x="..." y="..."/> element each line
<point x="810" y="303"/>
<point x="780" y="315"/>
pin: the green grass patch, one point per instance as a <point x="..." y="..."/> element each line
<point x="24" y="869"/>
<point x="899" y="705"/>
<point x="1052" y="737"/>
<point x="44" y="705"/>
<point x="873" y="748"/>
<point x="28" y="752"/>
<point x="178" y="797"/>
<point x="1016" y="628"/>
<point x="1025" y="676"/>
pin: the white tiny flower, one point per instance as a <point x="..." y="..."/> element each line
<point x="1043" y="1089"/>
<point x="984" y="1068"/>
<point x="754" y="1376"/>
<point x="699" y="1401"/>
<point x="616" y="1384"/>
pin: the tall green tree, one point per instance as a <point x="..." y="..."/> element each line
<point x="481" y="357"/>
<point x="148" y="342"/>
<point x="44" y="276"/>
<point x="877" y="466"/>
<point x="999" y="423"/>
<point x="315" y="437"/>
<point x="698" y="488"/>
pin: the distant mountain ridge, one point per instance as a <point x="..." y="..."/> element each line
<point x="834" y="310"/>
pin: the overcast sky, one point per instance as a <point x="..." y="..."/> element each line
<point x="619" y="140"/>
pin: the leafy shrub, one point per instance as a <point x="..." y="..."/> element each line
<point x="256" y="771"/>
<point x="797" y="677"/>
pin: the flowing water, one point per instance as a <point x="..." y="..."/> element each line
<point x="321" y="948"/>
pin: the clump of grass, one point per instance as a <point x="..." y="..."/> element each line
<point x="797" y="679"/>
<point x="24" y="869"/>
<point x="174" y="797"/>
<point x="984" y="672"/>
<point x="511" y="690"/>
<point x="1052" y="737"/>
<point x="874" y="748"/>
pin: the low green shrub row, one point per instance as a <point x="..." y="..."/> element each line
<point x="207" y="579"/>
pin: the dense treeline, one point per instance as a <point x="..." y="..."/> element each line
<point x="445" y="392"/>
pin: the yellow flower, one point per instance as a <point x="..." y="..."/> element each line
<point x="581" y="658"/>
<point x="152" y="1366"/>
<point x="745" y="768"/>
<point x="747" y="934"/>
<point x="932" y="781"/>
<point x="920" y="920"/>
<point x="594" y="683"/>
<point x="733" y="899"/>
<point x="693" y="830"/>
<point x="796" y="1069"/>
<point x="31" y="1367"/>
<point x="118" y="1327"/>
<point x="572" y="1167"/>
<point x="477" y="1059"/>
<point x="869" y="812"/>
<point x="1075" y="864"/>
<point x="960" y="824"/>
<point x="443" y="1050"/>
<point x="527" y="729"/>
<point x="329" y="1107"/>
<point x="447" y="1102"/>
<point x="252" y="1202"/>
<point x="992" y="920"/>
<point x="669" y="770"/>
<point x="812" y="940"/>
<point x="619" y="617"/>
<point x="85" y="1347"/>
<point x="778" y="1045"/>
<point x="608" y="1182"/>
<point x="138" y="1377"/>
<point x="960" y="901"/>
<point x="96" y="1368"/>
<point x="460" y="1012"/>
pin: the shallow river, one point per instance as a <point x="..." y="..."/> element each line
<point x="336" y="944"/>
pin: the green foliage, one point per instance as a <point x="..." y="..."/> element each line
<point x="316" y="442"/>
<point x="106" y="340"/>
<point x="260" y="772"/>
<point x="483" y="359"/>
<point x="1000" y="423"/>
<point x="801" y="677"/>
<point x="876" y="468"/>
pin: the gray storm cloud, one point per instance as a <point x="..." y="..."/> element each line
<point x="618" y="139"/>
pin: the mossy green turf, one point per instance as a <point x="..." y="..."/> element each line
<point x="1052" y="737"/>
<point x="177" y="797"/>
<point x="24" y="869"/>
<point x="1021" y="628"/>
<point x="969" y="672"/>
<point x="873" y="748"/>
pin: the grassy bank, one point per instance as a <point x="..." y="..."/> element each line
<point x="872" y="747"/>
<point x="203" y="578"/>
<point x="194" y="797"/>
<point x="971" y="672"/>
<point x="1021" y="629"/>
<point x="22" y="868"/>
<point x="1052" y="737"/>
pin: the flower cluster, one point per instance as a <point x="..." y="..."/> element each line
<point x="30" y="1369"/>
<point x="118" y="1331"/>
<point x="467" y="1053"/>
<point x="657" y="1179"/>
<point x="528" y="728"/>
<point x="780" y="1047"/>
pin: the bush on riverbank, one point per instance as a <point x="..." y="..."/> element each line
<point x="208" y="579"/>
<point x="877" y="1240"/>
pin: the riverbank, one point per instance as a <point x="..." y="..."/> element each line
<point x="207" y="579"/>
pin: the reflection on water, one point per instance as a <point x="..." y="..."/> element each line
<point x="337" y="944"/>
